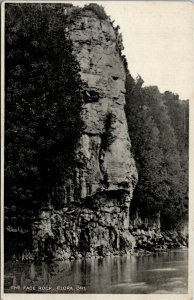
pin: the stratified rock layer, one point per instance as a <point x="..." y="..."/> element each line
<point x="105" y="144"/>
<point x="94" y="219"/>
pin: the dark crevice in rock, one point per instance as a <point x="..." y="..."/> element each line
<point x="90" y="96"/>
<point x="115" y="77"/>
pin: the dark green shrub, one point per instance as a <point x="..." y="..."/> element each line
<point x="97" y="9"/>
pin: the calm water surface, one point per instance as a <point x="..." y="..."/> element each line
<point x="157" y="273"/>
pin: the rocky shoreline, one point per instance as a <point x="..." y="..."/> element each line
<point x="154" y="241"/>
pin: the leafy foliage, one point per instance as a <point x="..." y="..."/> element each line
<point x="43" y="100"/>
<point x="162" y="180"/>
<point x="179" y="115"/>
<point x="97" y="9"/>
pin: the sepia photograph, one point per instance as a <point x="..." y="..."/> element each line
<point x="95" y="108"/>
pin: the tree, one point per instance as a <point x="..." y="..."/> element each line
<point x="43" y="101"/>
<point x="178" y="111"/>
<point x="144" y="136"/>
<point x="154" y="145"/>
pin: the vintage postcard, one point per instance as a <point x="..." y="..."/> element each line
<point x="96" y="105"/>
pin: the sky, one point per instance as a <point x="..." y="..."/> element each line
<point x="157" y="37"/>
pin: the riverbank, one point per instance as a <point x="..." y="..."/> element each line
<point x="155" y="240"/>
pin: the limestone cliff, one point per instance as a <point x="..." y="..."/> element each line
<point x="105" y="143"/>
<point x="94" y="219"/>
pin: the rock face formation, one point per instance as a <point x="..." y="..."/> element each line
<point x="94" y="219"/>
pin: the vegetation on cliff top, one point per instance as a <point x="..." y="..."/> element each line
<point x="97" y="10"/>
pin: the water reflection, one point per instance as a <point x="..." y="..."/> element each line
<point x="161" y="272"/>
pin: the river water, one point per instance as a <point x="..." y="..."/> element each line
<point x="160" y="273"/>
